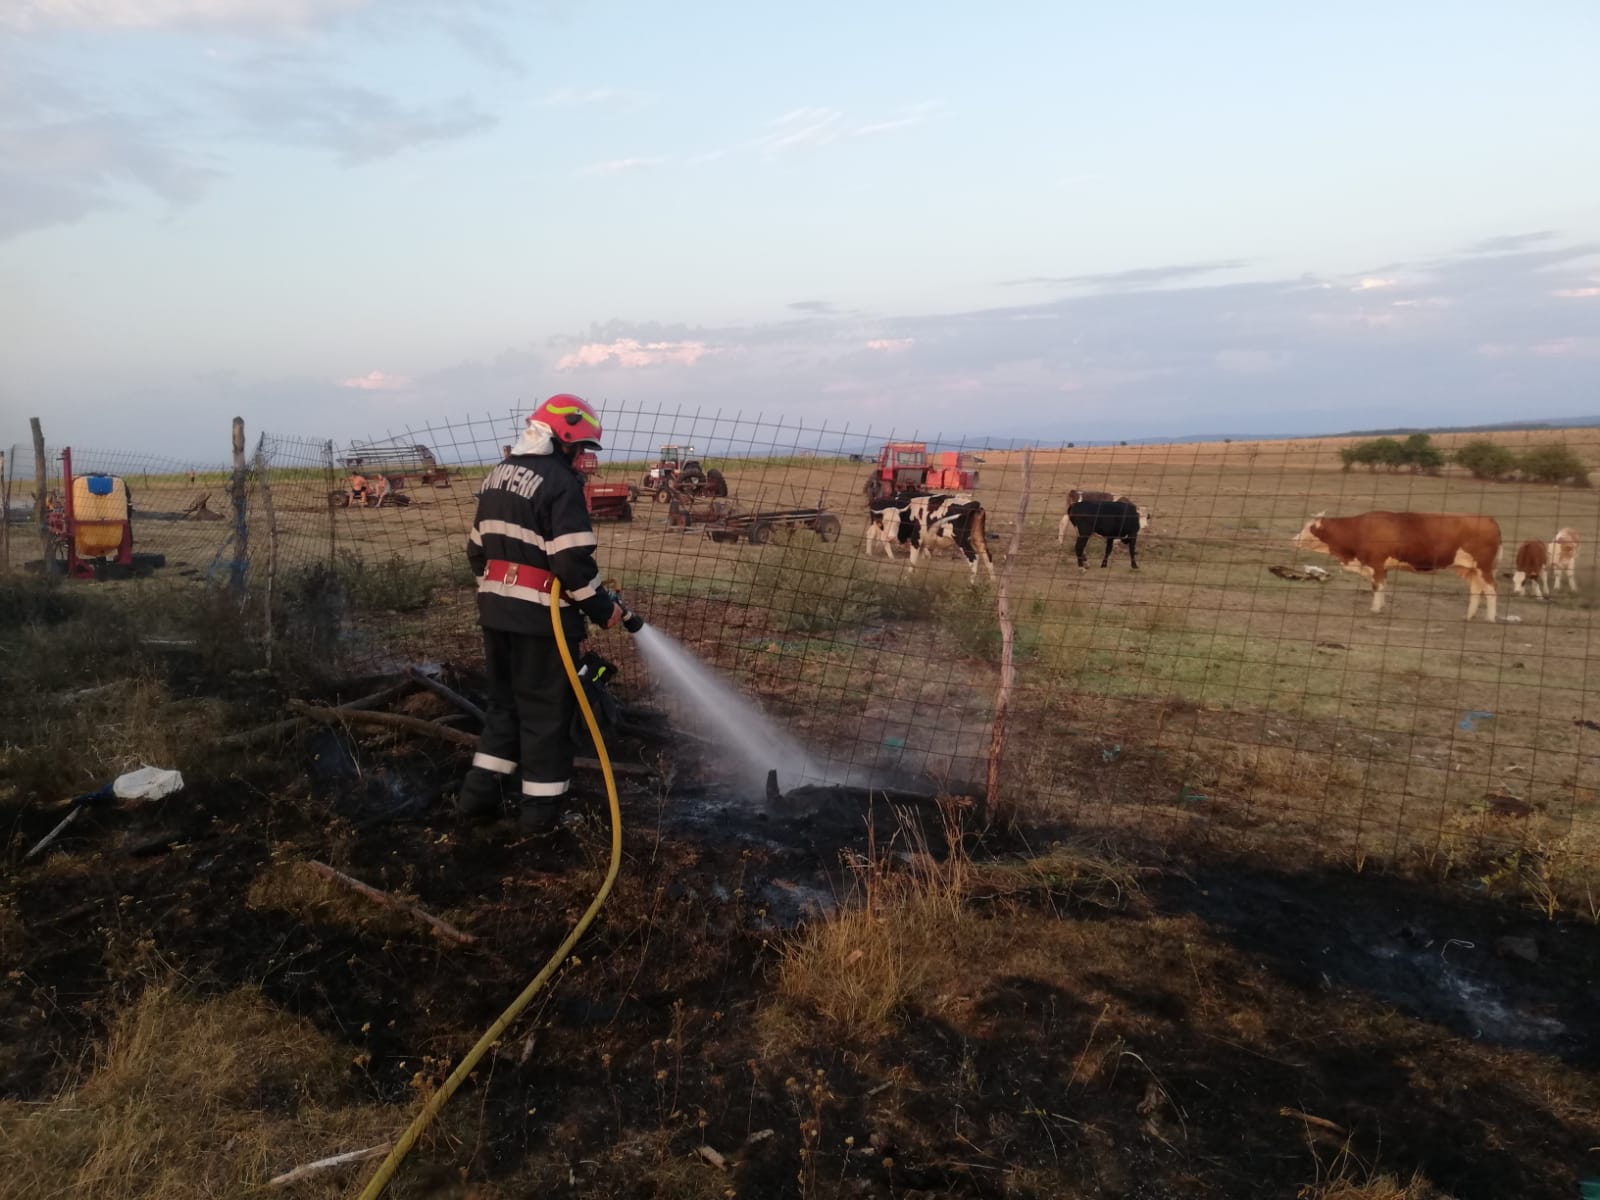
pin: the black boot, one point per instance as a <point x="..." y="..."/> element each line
<point x="482" y="795"/>
<point x="539" y="816"/>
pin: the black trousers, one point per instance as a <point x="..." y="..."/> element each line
<point x="528" y="722"/>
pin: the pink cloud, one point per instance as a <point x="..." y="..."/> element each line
<point x="377" y="381"/>
<point x="629" y="352"/>
<point x="1583" y="293"/>
<point x="891" y="345"/>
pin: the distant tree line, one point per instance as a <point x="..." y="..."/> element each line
<point x="1551" y="462"/>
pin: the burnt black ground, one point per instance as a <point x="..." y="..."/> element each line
<point x="1229" y="993"/>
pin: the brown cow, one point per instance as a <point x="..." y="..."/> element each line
<point x="1563" y="560"/>
<point x="1531" y="559"/>
<point x="1373" y="543"/>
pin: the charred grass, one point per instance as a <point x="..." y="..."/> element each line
<point x="1062" y="1005"/>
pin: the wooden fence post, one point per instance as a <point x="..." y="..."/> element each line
<point x="1008" y="637"/>
<point x="241" y="527"/>
<point x="41" y="484"/>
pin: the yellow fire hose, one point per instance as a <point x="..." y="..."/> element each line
<point x="391" y="1164"/>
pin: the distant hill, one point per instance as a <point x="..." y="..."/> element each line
<point x="1500" y="427"/>
<point x="1396" y="431"/>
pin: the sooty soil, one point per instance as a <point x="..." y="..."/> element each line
<point x="1232" y="1031"/>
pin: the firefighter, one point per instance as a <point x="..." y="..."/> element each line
<point x="531" y="523"/>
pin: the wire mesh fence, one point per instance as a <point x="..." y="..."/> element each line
<point x="1231" y="687"/>
<point x="181" y="509"/>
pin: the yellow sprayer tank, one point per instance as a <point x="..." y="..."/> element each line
<point x="99" y="508"/>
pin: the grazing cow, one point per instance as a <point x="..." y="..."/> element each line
<point x="953" y="518"/>
<point x="1531" y="562"/>
<point x="1114" y="520"/>
<point x="1373" y="543"/>
<point x="1562" y="559"/>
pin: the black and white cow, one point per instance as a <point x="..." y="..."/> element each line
<point x="889" y="523"/>
<point x="1078" y="496"/>
<point x="955" y="519"/>
<point x="1114" y="520"/>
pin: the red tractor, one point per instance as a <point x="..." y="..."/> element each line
<point x="606" y="501"/>
<point x="907" y="467"/>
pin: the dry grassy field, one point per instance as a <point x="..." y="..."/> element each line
<point x="1286" y="899"/>
<point x="1200" y="694"/>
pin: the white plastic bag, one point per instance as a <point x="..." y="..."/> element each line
<point x="147" y="783"/>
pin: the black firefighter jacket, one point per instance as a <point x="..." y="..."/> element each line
<point x="531" y="523"/>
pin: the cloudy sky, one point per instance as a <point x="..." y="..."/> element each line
<point x="337" y="217"/>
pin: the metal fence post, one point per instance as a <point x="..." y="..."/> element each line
<point x="272" y="548"/>
<point x="241" y="528"/>
<point x="41" y="485"/>
<point x="333" y="518"/>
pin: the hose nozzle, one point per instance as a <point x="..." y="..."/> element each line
<point x="631" y="621"/>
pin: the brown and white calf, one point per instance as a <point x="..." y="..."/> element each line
<point x="1531" y="561"/>
<point x="1375" y="543"/>
<point x="1562" y="559"/>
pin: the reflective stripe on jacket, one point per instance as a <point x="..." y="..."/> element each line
<point x="532" y="524"/>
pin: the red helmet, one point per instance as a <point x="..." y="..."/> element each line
<point x="570" y="419"/>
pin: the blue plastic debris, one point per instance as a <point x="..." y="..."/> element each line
<point x="1469" y="721"/>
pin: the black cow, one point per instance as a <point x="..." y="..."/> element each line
<point x="1114" y="520"/>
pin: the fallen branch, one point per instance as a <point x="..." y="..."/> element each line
<point x="442" y="928"/>
<point x="1319" y="1122"/>
<point x="264" y="733"/>
<point x="457" y="737"/>
<point x="45" y="842"/>
<point x="343" y="716"/>
<point x="439" y="688"/>
<point x="323" y="1164"/>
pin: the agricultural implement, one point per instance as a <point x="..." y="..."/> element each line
<point x="605" y="501"/>
<point x="397" y="463"/>
<point x="392" y="497"/>
<point x="91" y="528"/>
<point x="722" y="522"/>
<point x="678" y="473"/>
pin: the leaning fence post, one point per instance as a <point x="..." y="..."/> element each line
<point x="1008" y="673"/>
<point x="41" y="485"/>
<point x="241" y="529"/>
<point x="5" y="517"/>
<point x="272" y="550"/>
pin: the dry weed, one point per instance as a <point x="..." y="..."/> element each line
<point x="1382" y="1187"/>
<point x="913" y="923"/>
<point x="192" y="1099"/>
